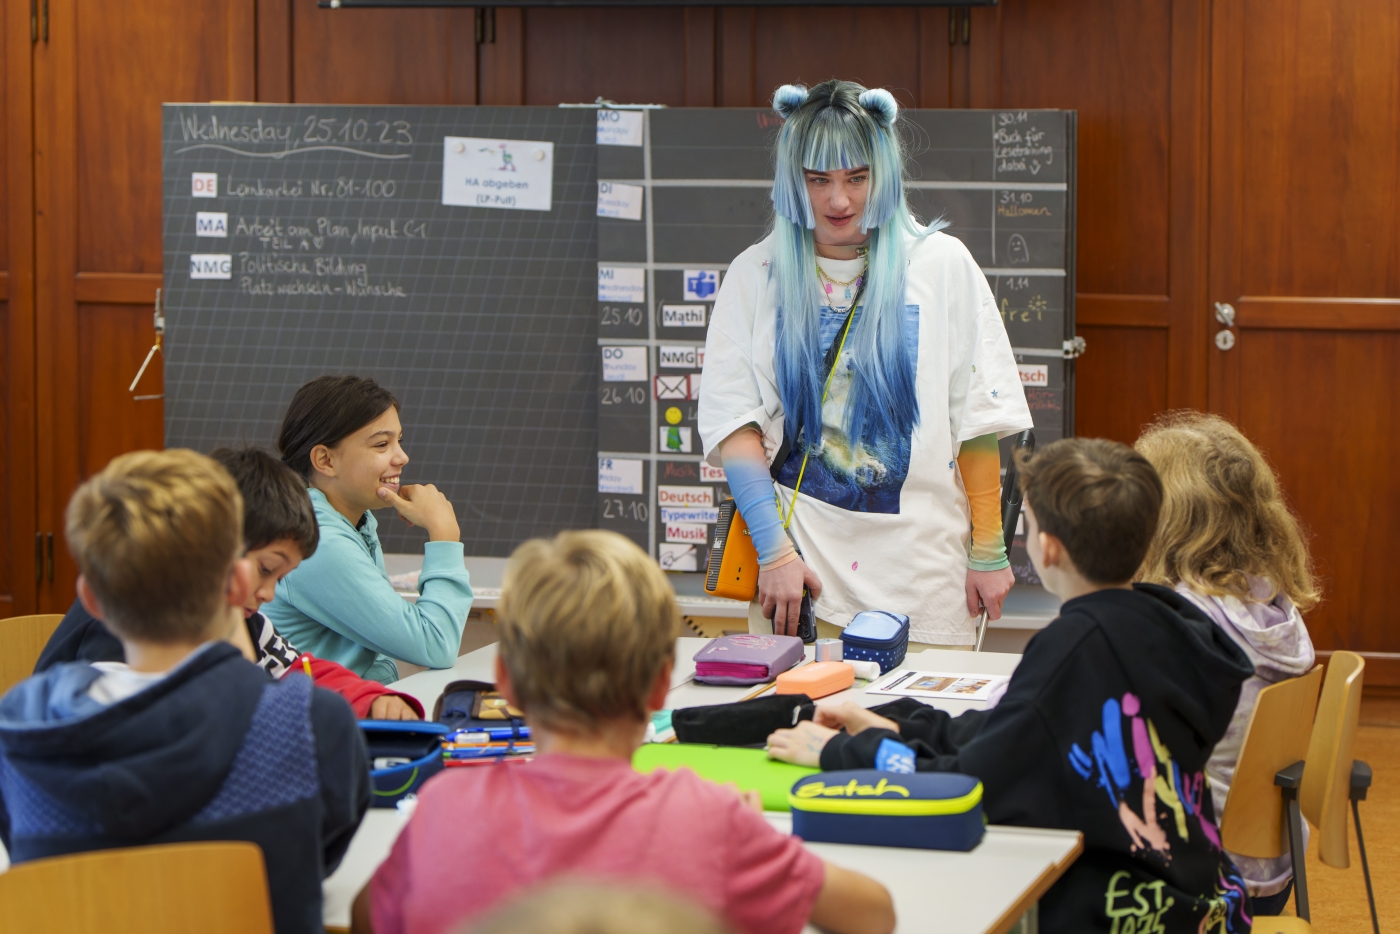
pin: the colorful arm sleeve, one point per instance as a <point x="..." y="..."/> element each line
<point x="980" y="465"/>
<point x="752" y="487"/>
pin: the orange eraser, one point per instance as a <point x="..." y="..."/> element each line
<point x="817" y="679"/>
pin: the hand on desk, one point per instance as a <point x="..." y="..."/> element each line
<point x="391" y="707"/>
<point x="852" y="718"/>
<point x="801" y="745"/>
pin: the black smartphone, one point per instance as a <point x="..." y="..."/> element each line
<point x="806" y="619"/>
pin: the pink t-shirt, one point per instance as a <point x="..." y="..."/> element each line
<point x="480" y="834"/>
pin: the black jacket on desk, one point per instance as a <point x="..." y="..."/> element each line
<point x="1105" y="728"/>
<point x="216" y="750"/>
<point x="80" y="637"/>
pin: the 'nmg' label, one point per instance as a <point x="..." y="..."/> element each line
<point x="211" y="266"/>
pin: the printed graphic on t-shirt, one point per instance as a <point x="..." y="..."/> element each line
<point x="856" y="476"/>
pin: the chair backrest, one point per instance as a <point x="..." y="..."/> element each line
<point x="22" y="638"/>
<point x="213" y="888"/>
<point x="1279" y="729"/>
<point x="1327" y="775"/>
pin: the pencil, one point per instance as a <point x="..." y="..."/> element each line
<point x="306" y="666"/>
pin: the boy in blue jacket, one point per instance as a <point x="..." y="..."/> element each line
<point x="185" y="740"/>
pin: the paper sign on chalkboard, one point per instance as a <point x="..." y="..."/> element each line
<point x="513" y="174"/>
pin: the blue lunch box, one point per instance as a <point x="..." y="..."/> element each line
<point x="923" y="810"/>
<point x="418" y="742"/>
<point x="876" y="636"/>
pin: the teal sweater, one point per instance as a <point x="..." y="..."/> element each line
<point x="340" y="605"/>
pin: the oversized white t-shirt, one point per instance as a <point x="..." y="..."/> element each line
<point x="885" y="529"/>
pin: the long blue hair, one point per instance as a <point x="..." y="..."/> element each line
<point x="841" y="125"/>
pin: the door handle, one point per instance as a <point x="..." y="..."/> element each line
<point x="1225" y="314"/>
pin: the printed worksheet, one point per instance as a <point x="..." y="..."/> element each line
<point x="905" y="682"/>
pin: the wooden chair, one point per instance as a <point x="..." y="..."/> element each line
<point x="22" y="638"/>
<point x="213" y="888"/>
<point x="1319" y="787"/>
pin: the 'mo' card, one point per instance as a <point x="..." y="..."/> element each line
<point x="513" y="174"/>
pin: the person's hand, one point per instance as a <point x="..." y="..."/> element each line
<point x="852" y="718"/>
<point x="801" y="745"/>
<point x="752" y="799"/>
<point x="780" y="594"/>
<point x="391" y="707"/>
<point x="988" y="589"/>
<point x="423" y="505"/>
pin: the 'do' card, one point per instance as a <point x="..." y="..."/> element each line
<point x="514" y="174"/>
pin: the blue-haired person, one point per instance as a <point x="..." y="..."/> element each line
<point x="895" y="453"/>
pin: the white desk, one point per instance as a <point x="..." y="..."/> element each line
<point x="987" y="890"/>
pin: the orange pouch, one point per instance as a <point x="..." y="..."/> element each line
<point x="733" y="567"/>
<point x="817" y="679"/>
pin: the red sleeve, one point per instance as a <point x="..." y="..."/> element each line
<point x="359" y="692"/>
<point x="773" y="880"/>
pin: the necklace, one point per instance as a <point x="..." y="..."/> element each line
<point x="830" y="284"/>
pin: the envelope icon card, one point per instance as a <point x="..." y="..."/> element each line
<point x="673" y="387"/>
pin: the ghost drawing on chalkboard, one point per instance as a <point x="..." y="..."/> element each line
<point x="1016" y="249"/>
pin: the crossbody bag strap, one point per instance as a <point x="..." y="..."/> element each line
<point x="833" y="353"/>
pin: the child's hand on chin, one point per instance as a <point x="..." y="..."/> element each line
<point x="802" y="745"/>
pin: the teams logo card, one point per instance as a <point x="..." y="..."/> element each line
<point x="701" y="284"/>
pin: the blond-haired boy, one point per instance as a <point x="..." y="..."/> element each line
<point x="185" y="740"/>
<point x="588" y="626"/>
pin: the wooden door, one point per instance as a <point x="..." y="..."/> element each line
<point x="1305" y="247"/>
<point x="99" y="81"/>
<point x="18" y="517"/>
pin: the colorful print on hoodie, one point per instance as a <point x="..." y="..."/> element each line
<point x="1271" y="632"/>
<point x="1105" y="728"/>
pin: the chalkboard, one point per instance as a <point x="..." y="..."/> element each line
<point x="302" y="240"/>
<point x="1003" y="179"/>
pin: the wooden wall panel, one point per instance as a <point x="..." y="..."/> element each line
<point x="1323" y="405"/>
<point x="573" y="41"/>
<point x="113" y="340"/>
<point x="6" y="523"/>
<point x="797" y="45"/>
<point x="1122" y="381"/>
<point x="1318" y="190"/>
<point x="372" y="56"/>
<point x="183" y="51"/>
<point x="1123" y="94"/>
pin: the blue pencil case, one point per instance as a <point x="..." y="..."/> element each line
<point x="403" y="754"/>
<point x="876" y="636"/>
<point x="923" y="810"/>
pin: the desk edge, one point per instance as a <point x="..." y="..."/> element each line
<point x="1049" y="877"/>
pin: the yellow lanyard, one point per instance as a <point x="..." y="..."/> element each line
<point x="845" y="332"/>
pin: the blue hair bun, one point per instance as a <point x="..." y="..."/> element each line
<point x="788" y="98"/>
<point x="881" y="104"/>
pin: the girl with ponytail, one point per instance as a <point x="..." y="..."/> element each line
<point x="856" y="362"/>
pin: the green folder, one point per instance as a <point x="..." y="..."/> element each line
<point x="750" y="769"/>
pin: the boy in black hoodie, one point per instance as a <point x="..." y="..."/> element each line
<point x="186" y="740"/>
<point x="1107" y="723"/>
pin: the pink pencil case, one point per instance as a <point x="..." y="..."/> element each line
<point x="746" y="659"/>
